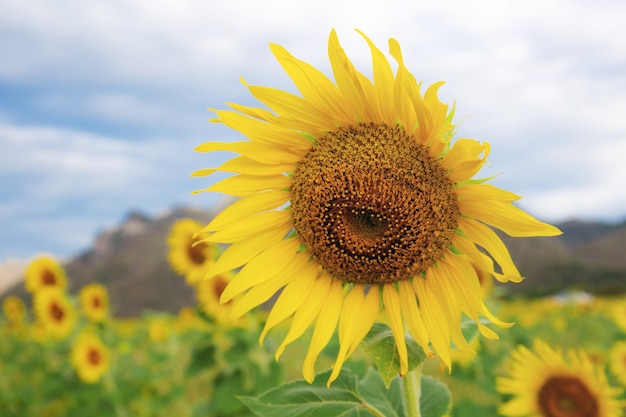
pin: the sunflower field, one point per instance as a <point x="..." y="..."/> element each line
<point x="81" y="360"/>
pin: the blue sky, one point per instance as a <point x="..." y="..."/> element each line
<point x="102" y="102"/>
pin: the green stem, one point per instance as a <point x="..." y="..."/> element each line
<point x="412" y="389"/>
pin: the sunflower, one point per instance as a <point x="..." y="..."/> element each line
<point x="545" y="383"/>
<point x="43" y="272"/>
<point x="90" y="357"/>
<point x="14" y="309"/>
<point x="355" y="203"/>
<point x="208" y="293"/>
<point x="617" y="361"/>
<point x="188" y="255"/>
<point x="54" y="311"/>
<point x="94" y="300"/>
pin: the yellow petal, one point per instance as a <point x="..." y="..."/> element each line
<point x="371" y="308"/>
<point x="245" y="165"/>
<point x="307" y="311"/>
<point x="464" y="160"/>
<point x="262" y="292"/>
<point x="391" y="301"/>
<point x="347" y="79"/>
<point x="245" y="207"/>
<point x="241" y="252"/>
<point x="507" y="217"/>
<point x="411" y="314"/>
<point x="485" y="192"/>
<point x="315" y="87"/>
<point x="261" y="268"/>
<point x="433" y="315"/>
<point x="383" y="83"/>
<point x="261" y="152"/>
<point x="324" y="329"/>
<point x="292" y="297"/>
<point x="251" y="226"/>
<point x="263" y="132"/>
<point x="243" y="185"/>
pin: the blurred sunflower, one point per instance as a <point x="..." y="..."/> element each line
<point x="208" y="293"/>
<point x="353" y="202"/>
<point x="55" y="312"/>
<point x="43" y="272"/>
<point x="545" y="383"/>
<point x="188" y="255"/>
<point x="617" y="361"/>
<point x="90" y="357"/>
<point x="14" y="309"/>
<point x="158" y="329"/>
<point x="94" y="301"/>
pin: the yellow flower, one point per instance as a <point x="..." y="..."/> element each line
<point x="188" y="255"/>
<point x="43" y="272"/>
<point x="208" y="293"/>
<point x="354" y="202"/>
<point x="545" y="383"/>
<point x="158" y="330"/>
<point x="90" y="357"/>
<point x="54" y="311"/>
<point x="617" y="361"/>
<point x="14" y="309"/>
<point x="94" y="300"/>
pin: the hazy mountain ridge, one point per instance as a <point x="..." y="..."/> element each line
<point x="131" y="261"/>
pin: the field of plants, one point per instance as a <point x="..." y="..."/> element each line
<point x="68" y="355"/>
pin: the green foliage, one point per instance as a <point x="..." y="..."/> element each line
<point x="380" y="345"/>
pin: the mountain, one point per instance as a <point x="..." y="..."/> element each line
<point x="131" y="261"/>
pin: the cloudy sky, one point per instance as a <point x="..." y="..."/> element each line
<point x="102" y="102"/>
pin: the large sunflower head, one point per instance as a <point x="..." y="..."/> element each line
<point x="44" y="272"/>
<point x="188" y="254"/>
<point x="94" y="301"/>
<point x="354" y="201"/>
<point x="90" y="357"/>
<point x="55" y="311"/>
<point x="546" y="383"/>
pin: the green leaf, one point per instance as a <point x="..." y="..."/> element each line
<point x="301" y="399"/>
<point x="435" y="397"/>
<point x="388" y="401"/>
<point x="380" y="345"/>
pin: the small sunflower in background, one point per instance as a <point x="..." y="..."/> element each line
<point x="94" y="301"/>
<point x="546" y="383"/>
<point x="208" y="293"/>
<point x="188" y="255"/>
<point x="45" y="272"/>
<point x="54" y="311"/>
<point x="617" y="361"/>
<point x="159" y="330"/>
<point x="14" y="310"/>
<point x="354" y="202"/>
<point x="90" y="357"/>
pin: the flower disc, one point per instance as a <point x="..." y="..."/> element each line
<point x="372" y="205"/>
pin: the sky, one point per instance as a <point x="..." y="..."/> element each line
<point x="103" y="102"/>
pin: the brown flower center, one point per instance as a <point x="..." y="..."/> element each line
<point x="94" y="357"/>
<point x="48" y="277"/>
<point x="96" y="302"/>
<point x="57" y="312"/>
<point x="196" y="252"/>
<point x="372" y="205"/>
<point x="564" y="396"/>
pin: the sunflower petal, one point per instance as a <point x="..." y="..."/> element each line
<point x="391" y="300"/>
<point x="245" y="207"/>
<point x="261" y="268"/>
<point x="324" y="329"/>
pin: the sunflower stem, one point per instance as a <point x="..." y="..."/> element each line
<point x="411" y="390"/>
